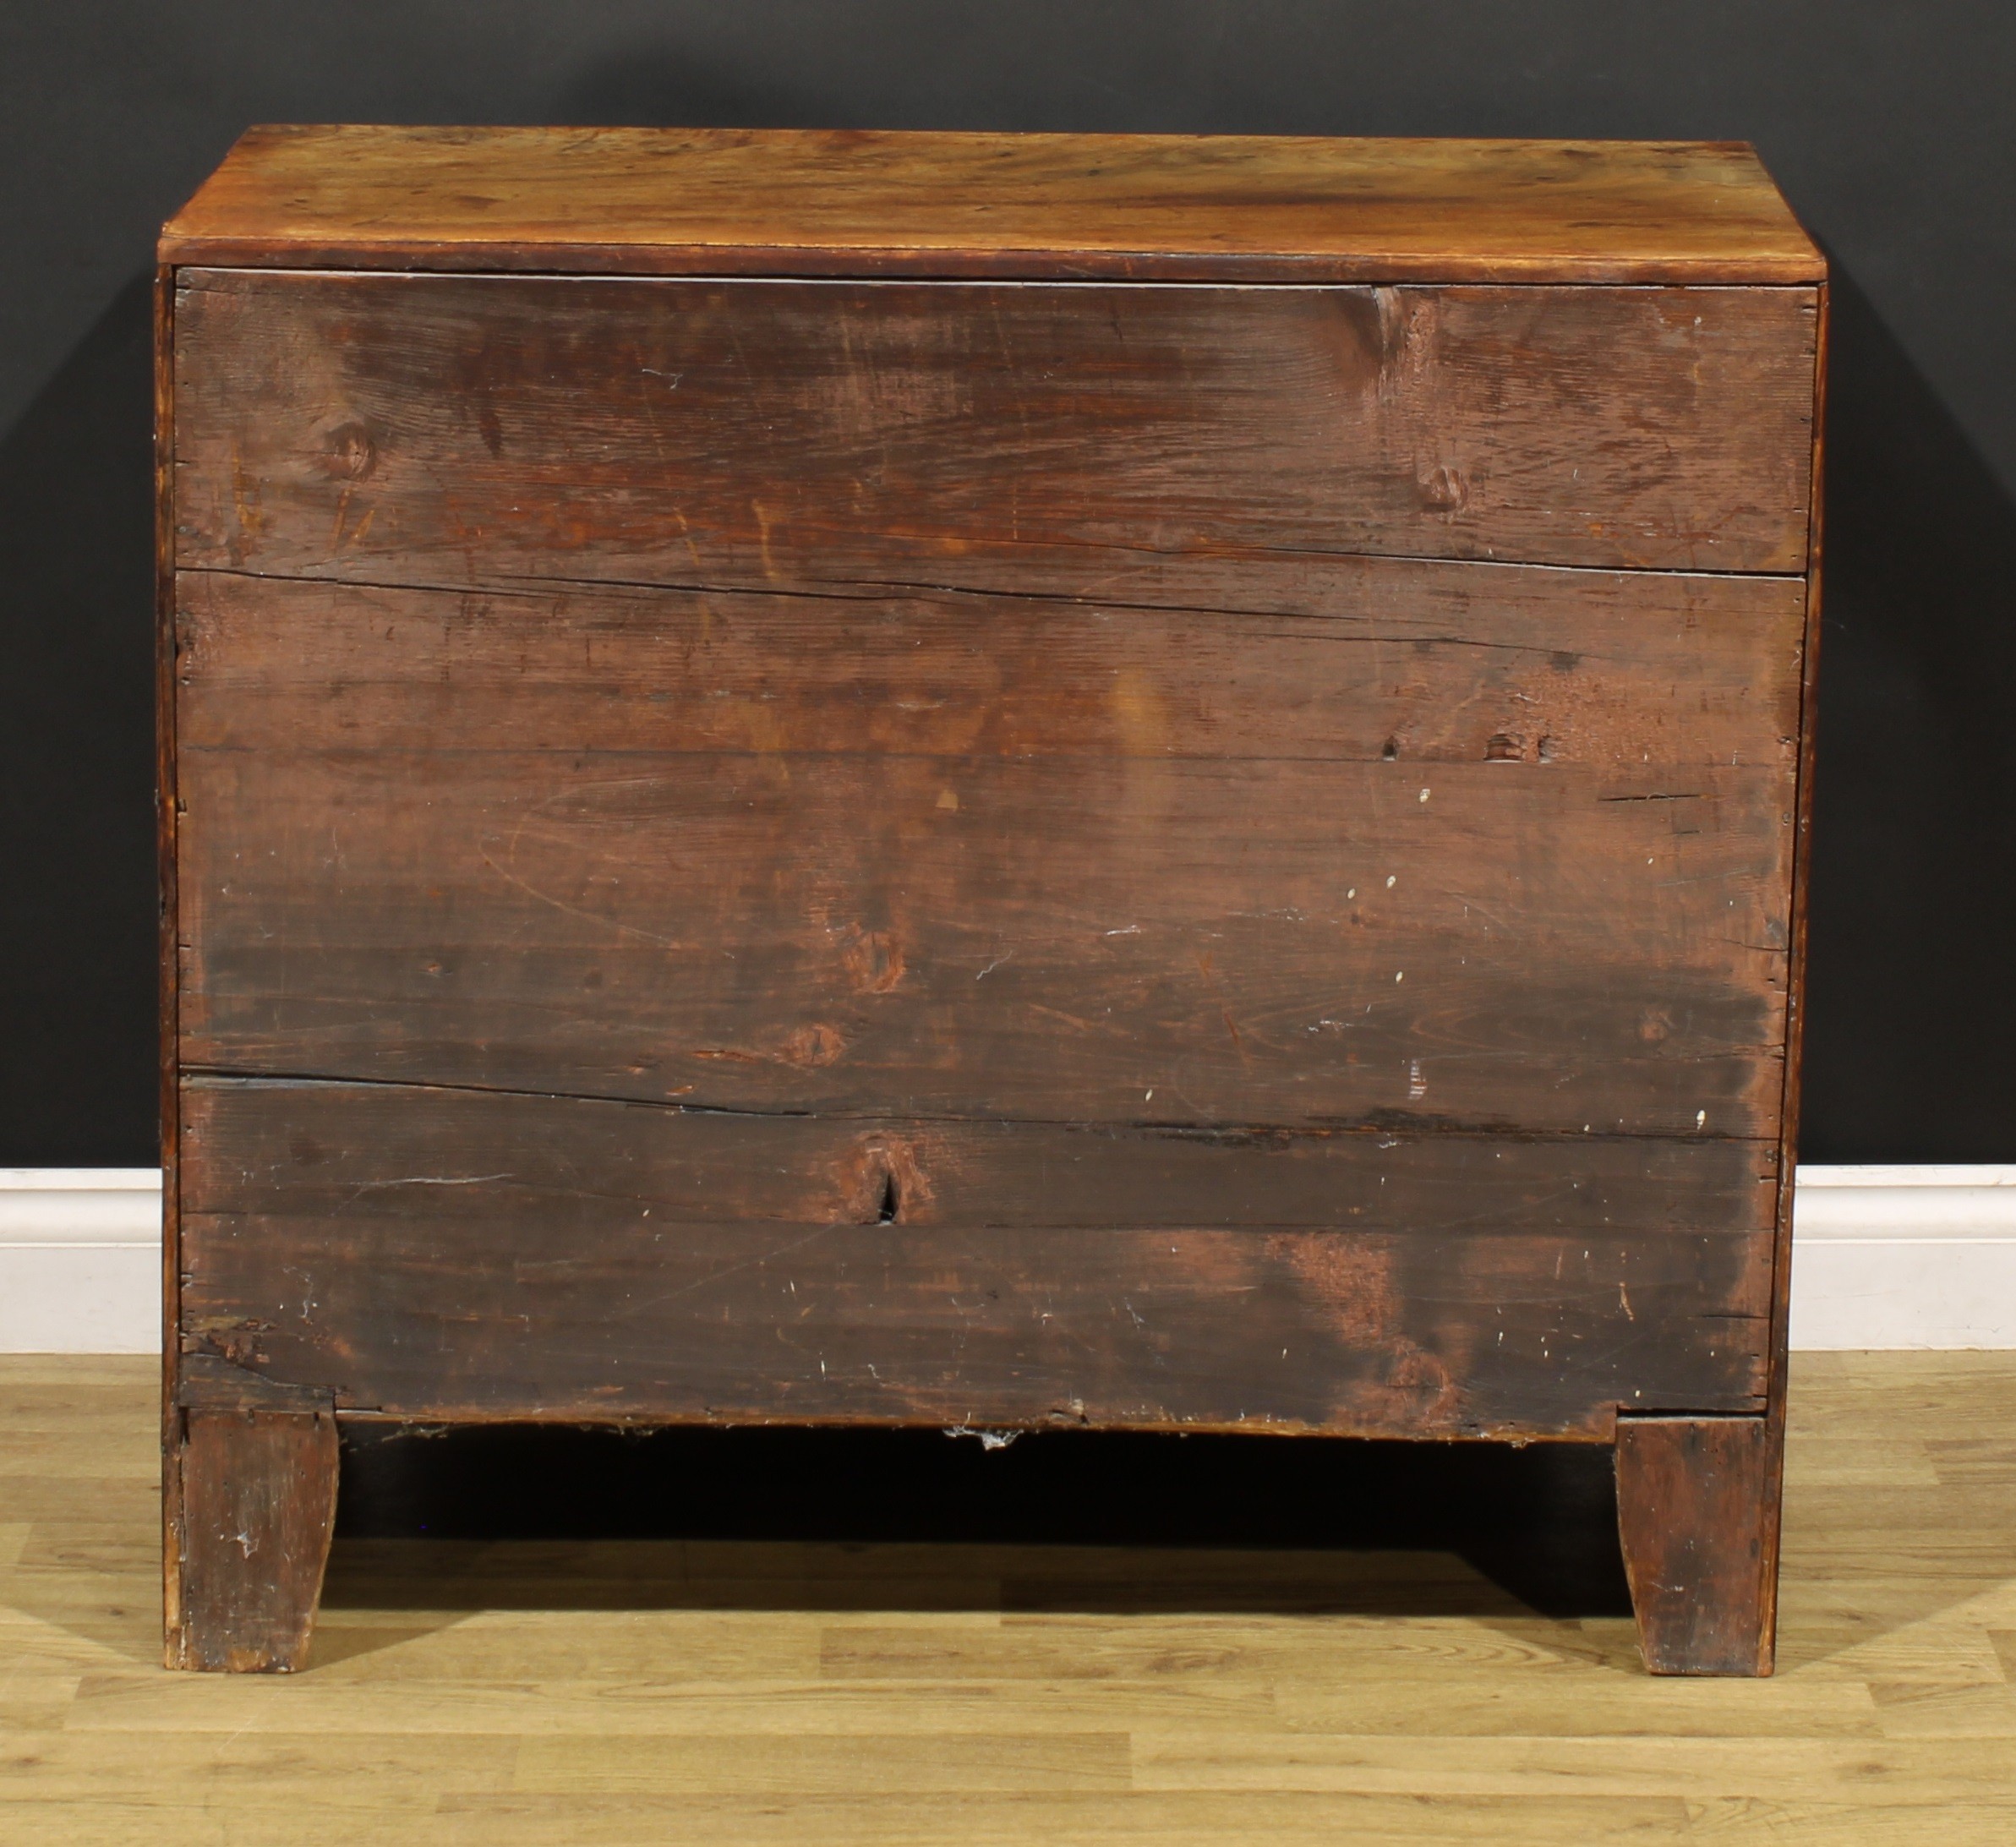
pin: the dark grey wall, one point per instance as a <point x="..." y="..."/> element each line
<point x="1885" y="124"/>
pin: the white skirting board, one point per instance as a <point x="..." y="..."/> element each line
<point x="79" y="1259"/>
<point x="1909" y="1256"/>
<point x="1882" y="1257"/>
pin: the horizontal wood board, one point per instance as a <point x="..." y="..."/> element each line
<point x="490" y="430"/>
<point x="1053" y="938"/>
<point x="981" y="856"/>
<point x="1339" y="660"/>
<point x="798" y="202"/>
<point x="466" y="1254"/>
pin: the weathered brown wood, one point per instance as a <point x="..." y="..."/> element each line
<point x="1247" y="207"/>
<point x="330" y="1146"/>
<point x="210" y="1382"/>
<point x="1696" y="1507"/>
<point x="1781" y="1314"/>
<point x="167" y="1023"/>
<point x="1041" y="846"/>
<point x="1344" y="659"/>
<point x="867" y="780"/>
<point x="1190" y="940"/>
<point x="462" y="1254"/>
<point x="257" y="1470"/>
<point x="1393" y="1335"/>
<point x="484" y="430"/>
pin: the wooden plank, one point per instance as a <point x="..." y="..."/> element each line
<point x="1193" y="940"/>
<point x="704" y="1165"/>
<point x="795" y="202"/>
<point x="470" y="1255"/>
<point x="485" y="430"/>
<point x="1697" y="1510"/>
<point x="1342" y="1332"/>
<point x="1344" y="660"/>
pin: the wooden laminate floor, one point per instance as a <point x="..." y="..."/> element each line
<point x="725" y="1692"/>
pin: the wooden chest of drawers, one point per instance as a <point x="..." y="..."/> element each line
<point x="981" y="780"/>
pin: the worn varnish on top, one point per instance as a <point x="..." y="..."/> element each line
<point x="809" y="202"/>
<point x="980" y="779"/>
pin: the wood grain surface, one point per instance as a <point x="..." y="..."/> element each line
<point x="1344" y="661"/>
<point x="456" y="1253"/>
<point x="761" y="1691"/>
<point x="983" y="856"/>
<point x="258" y="1500"/>
<point x="795" y="202"/>
<point x="1697" y="1514"/>
<point x="1198" y="940"/>
<point x="700" y="1165"/>
<point x="488" y="429"/>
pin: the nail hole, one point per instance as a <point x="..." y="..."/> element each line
<point x="1392" y="750"/>
<point x="890" y="1204"/>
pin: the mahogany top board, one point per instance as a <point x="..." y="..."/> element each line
<point x="1178" y="208"/>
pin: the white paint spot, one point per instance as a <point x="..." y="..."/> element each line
<point x="1392" y="879"/>
<point x="1424" y="794"/>
<point x="1132" y="930"/>
<point x="1352" y="893"/>
<point x="1400" y="975"/>
<point x="1149" y="1098"/>
<point x="1416" y="1084"/>
<point x="1701" y="1118"/>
